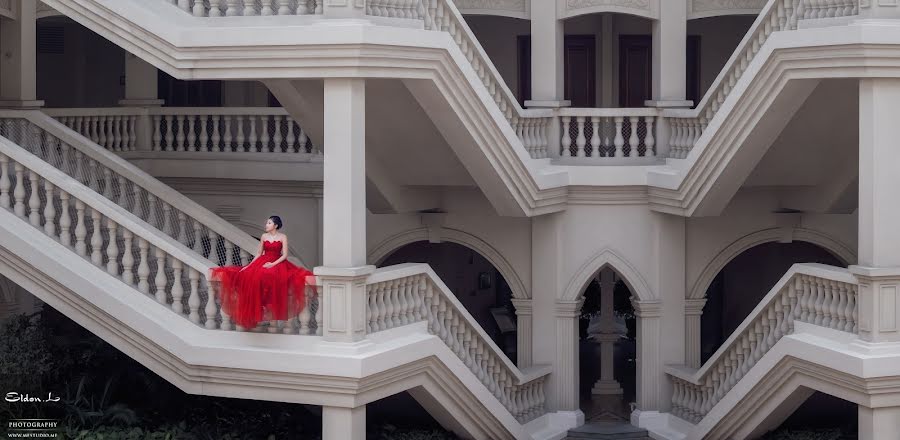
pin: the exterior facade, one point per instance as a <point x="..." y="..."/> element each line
<point x="682" y="207"/>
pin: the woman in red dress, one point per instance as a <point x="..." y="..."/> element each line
<point x="269" y="288"/>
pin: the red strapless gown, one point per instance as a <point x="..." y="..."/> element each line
<point x="259" y="294"/>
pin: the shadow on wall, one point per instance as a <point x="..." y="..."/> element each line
<point x="474" y="280"/>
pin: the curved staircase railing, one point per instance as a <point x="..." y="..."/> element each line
<point x="811" y="293"/>
<point x="408" y="293"/>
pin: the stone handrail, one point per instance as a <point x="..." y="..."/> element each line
<point x="105" y="234"/>
<point x="146" y="197"/>
<point x="407" y="293"/>
<point x="811" y="293"/>
<point x="214" y="129"/>
<point x="228" y="8"/>
<point x="776" y="15"/>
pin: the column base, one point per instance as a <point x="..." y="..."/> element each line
<point x="607" y="387"/>
<point x="19" y="104"/>
<point x="344" y="302"/>
<point x="141" y="102"/>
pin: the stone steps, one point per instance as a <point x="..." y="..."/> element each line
<point x="608" y="430"/>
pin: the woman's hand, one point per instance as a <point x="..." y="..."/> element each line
<point x="268" y="265"/>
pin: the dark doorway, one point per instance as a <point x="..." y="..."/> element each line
<point x="693" y="69"/>
<point x="635" y="70"/>
<point x="580" y="70"/>
<point x="178" y="93"/>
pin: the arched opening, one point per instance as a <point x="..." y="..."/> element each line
<point x="607" y="348"/>
<point x="744" y="281"/>
<point x="477" y="284"/>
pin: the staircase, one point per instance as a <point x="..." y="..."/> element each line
<point x="127" y="257"/>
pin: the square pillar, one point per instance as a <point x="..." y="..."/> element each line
<point x="344" y="268"/>
<point x="693" y="311"/>
<point x="523" y="331"/>
<point x="878" y="271"/>
<point x="547" y="56"/>
<point x="18" y="63"/>
<point x="648" y="365"/>
<point x="878" y="423"/>
<point x="567" y="356"/>
<point x="343" y="423"/>
<point x="670" y="52"/>
<point x="141" y="83"/>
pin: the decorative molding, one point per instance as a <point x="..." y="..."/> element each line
<point x="206" y="186"/>
<point x="694" y="306"/>
<point x="509" y="8"/>
<point x="643" y="8"/>
<point x="568" y="308"/>
<point x="712" y="8"/>
<point x="632" y="278"/>
<point x="647" y="309"/>
<point x="524" y="306"/>
<point x="608" y="195"/>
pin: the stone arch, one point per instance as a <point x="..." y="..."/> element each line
<point x="607" y="257"/>
<point x="641" y="8"/>
<point x="836" y="248"/>
<point x="379" y="252"/>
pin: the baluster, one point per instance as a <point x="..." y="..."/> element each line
<point x="96" y="238"/>
<point x="284" y="7"/>
<point x="267" y="8"/>
<point x="227" y="139"/>
<point x="49" y="210"/>
<point x="159" y="281"/>
<point x="170" y="133"/>
<point x="214" y="248"/>
<point x="191" y="134"/>
<point x="100" y="125"/>
<point x="291" y="138"/>
<point x="80" y="229"/>
<point x="65" y="221"/>
<point x="34" y="200"/>
<point x="619" y="141"/>
<point x="19" y="191"/>
<point x="151" y="210"/>
<point x="579" y="139"/>
<point x="215" y="8"/>
<point x="177" y="287"/>
<point x="127" y="257"/>
<point x="253" y="137"/>
<point x="211" y="309"/>
<point x="5" y="183"/>
<point x="566" y="142"/>
<point x="112" y="249"/>
<point x="264" y="134"/>
<point x="215" y="138"/>
<point x="276" y="139"/>
<point x="107" y="184"/>
<point x="193" y="295"/>
<point x="167" y="219"/>
<point x="143" y="266"/>
<point x="198" y="238"/>
<point x="318" y="311"/>
<point x="302" y="140"/>
<point x="203" y="122"/>
<point x="182" y="229"/>
<point x="232" y="8"/>
<point x="240" y="138"/>
<point x="157" y="133"/>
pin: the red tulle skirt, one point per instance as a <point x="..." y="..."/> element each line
<point x="258" y="294"/>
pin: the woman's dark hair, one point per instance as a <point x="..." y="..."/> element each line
<point x="277" y="220"/>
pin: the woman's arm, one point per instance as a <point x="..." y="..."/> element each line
<point x="284" y="254"/>
<point x="259" y="251"/>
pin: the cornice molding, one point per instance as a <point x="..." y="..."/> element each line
<point x="643" y="8"/>
<point x="507" y="8"/>
<point x="713" y="8"/>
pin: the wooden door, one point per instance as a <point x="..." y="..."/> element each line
<point x="580" y="70"/>
<point x="635" y="70"/>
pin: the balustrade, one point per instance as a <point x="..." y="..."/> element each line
<point x="814" y="294"/>
<point x="608" y="133"/>
<point x="229" y="8"/>
<point x="404" y="294"/>
<point x="226" y="130"/>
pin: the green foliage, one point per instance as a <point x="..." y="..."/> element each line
<point x="812" y="434"/>
<point x="391" y="432"/>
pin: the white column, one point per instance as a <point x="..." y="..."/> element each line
<point x="648" y="366"/>
<point x="878" y="423"/>
<point x="693" y="310"/>
<point x="607" y="72"/>
<point x="343" y="423"/>
<point x="670" y="55"/>
<point x="567" y="359"/>
<point x="18" y="63"/>
<point x="523" y="331"/>
<point x="607" y="383"/>
<point x="878" y="271"/>
<point x="547" y="64"/>
<point x="141" y="83"/>
<point x="344" y="269"/>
